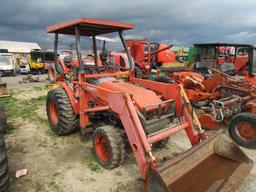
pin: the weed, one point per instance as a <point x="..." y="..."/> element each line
<point x="7" y="101"/>
<point x="92" y="163"/>
<point x="54" y="187"/>
<point x="56" y="174"/>
<point x="93" y="166"/>
<point x="50" y="133"/>
<point x="10" y="128"/>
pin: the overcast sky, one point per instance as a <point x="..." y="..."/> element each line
<point x="181" y="22"/>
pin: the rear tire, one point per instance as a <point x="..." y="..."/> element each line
<point x="108" y="146"/>
<point x="3" y="120"/>
<point x="61" y="116"/>
<point x="242" y="129"/>
<point x="4" y="168"/>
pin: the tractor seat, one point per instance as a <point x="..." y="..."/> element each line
<point x="98" y="81"/>
<point x="228" y="68"/>
<point x="67" y="61"/>
<point x="104" y="57"/>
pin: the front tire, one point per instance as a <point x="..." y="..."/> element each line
<point x="61" y="116"/>
<point x="242" y="129"/>
<point x="108" y="146"/>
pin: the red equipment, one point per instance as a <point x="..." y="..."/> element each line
<point x="141" y="111"/>
<point x="221" y="97"/>
<point x="149" y="55"/>
<point x="231" y="58"/>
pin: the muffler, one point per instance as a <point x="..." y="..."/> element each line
<point x="215" y="164"/>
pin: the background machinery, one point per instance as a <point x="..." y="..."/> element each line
<point x="221" y="99"/>
<point x="148" y="56"/>
<point x="234" y="59"/>
<point x="37" y="63"/>
<point x="7" y="64"/>
<point x="40" y="61"/>
<point x="141" y="112"/>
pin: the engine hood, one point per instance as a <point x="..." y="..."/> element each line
<point x="142" y="97"/>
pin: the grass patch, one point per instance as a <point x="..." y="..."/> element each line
<point x="54" y="187"/>
<point x="25" y="109"/>
<point x="56" y="174"/>
<point x="92" y="163"/>
<point x="36" y="88"/>
<point x="50" y="133"/>
<point x="10" y="128"/>
<point x="93" y="166"/>
<point x="7" y="101"/>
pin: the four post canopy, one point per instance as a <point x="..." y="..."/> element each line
<point x="88" y="27"/>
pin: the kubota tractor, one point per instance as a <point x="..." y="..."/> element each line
<point x="140" y="111"/>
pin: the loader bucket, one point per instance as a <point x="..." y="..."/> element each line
<point x="216" y="164"/>
<point x="3" y="90"/>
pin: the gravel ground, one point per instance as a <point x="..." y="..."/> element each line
<point x="13" y="82"/>
<point x="67" y="164"/>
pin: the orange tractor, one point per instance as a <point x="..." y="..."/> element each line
<point x="141" y="112"/>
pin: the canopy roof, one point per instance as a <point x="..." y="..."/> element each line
<point x="223" y="44"/>
<point x="88" y="27"/>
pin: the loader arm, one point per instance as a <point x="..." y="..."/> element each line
<point x="121" y="105"/>
<point x="181" y="109"/>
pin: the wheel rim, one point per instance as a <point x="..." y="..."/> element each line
<point x="102" y="148"/>
<point x="246" y="131"/>
<point x="53" y="112"/>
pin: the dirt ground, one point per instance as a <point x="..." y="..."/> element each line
<point x="67" y="164"/>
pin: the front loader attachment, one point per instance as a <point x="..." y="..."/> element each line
<point x="216" y="164"/>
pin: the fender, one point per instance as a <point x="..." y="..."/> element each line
<point x="70" y="92"/>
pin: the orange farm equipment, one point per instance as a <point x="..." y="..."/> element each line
<point x="234" y="59"/>
<point x="224" y="100"/>
<point x="141" y="112"/>
<point x="148" y="56"/>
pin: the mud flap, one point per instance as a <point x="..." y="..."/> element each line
<point x="216" y="164"/>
